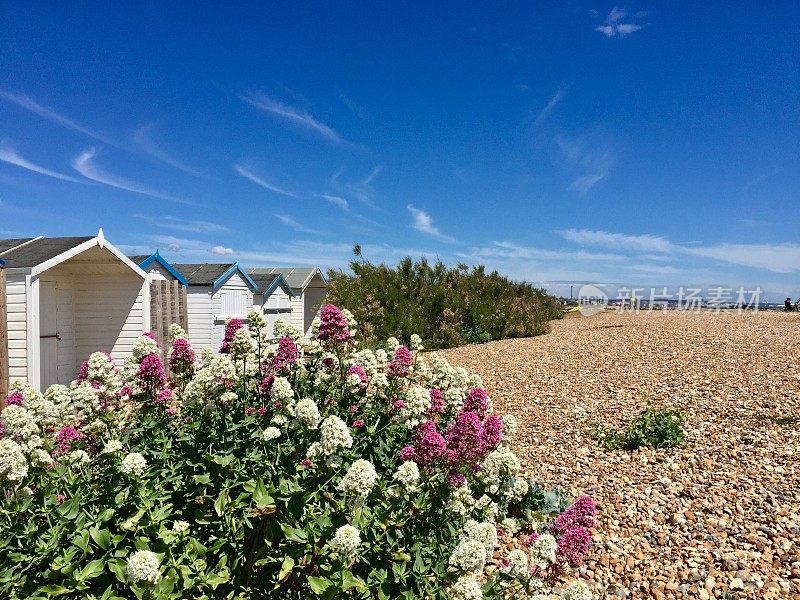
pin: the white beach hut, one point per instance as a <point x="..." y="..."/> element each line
<point x="66" y="298"/>
<point x="309" y="287"/>
<point x="215" y="292"/>
<point x="273" y="296"/>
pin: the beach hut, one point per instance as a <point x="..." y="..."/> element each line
<point x="168" y="297"/>
<point x="3" y="335"/>
<point x="273" y="297"/>
<point x="67" y="297"/>
<point x="309" y="287"/>
<point x="214" y="293"/>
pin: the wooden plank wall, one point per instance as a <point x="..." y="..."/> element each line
<point x="3" y="340"/>
<point x="167" y="306"/>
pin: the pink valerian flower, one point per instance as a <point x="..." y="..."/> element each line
<point x="456" y="479"/>
<point x="61" y="498"/>
<point x="65" y="437"/>
<point x="261" y="411"/>
<point x="580" y="514"/>
<point x="470" y="440"/>
<point x="333" y="325"/>
<point x="126" y="391"/>
<point x="492" y="434"/>
<point x="572" y="547"/>
<point x="359" y="371"/>
<point x="164" y="396"/>
<point x="2" y="429"/>
<point x="398" y="404"/>
<point x="231" y="327"/>
<point x="15" y="398"/>
<point x="306" y="463"/>
<point x="286" y="355"/>
<point x="437" y="402"/>
<point x="83" y="372"/>
<point x="353" y="409"/>
<point x="181" y="356"/>
<point x="151" y="372"/>
<point x="249" y="411"/>
<point x="171" y="411"/>
<point x="408" y="453"/>
<point x="328" y="361"/>
<point x="266" y="384"/>
<point x="358" y="423"/>
<point x="477" y="401"/>
<point x="430" y="444"/>
<point x="401" y="363"/>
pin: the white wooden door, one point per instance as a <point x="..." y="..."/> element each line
<point x="48" y="333"/>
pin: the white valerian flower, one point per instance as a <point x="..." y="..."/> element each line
<point x="78" y="457"/>
<point x="500" y="464"/>
<point x="416" y="343"/>
<point x="417" y="403"/>
<point x="271" y="433"/>
<point x="519" y="489"/>
<point x="392" y="343"/>
<point x="346" y="541"/>
<point x="359" y="479"/>
<point x="279" y="420"/>
<point x="228" y="397"/>
<point x="461" y="500"/>
<point x="39" y="457"/>
<point x="256" y="320"/>
<point x="176" y="331"/>
<point x="307" y="413"/>
<point x="577" y="590"/>
<point x="485" y="533"/>
<point x="13" y="465"/>
<point x="112" y="446"/>
<point x="543" y="551"/>
<point x="381" y="357"/>
<point x="408" y="474"/>
<point x="488" y="506"/>
<point x="19" y="421"/>
<point x="517" y="563"/>
<point x="510" y="525"/>
<point x="143" y="346"/>
<point x="469" y="556"/>
<point x="241" y="344"/>
<point x="281" y="389"/>
<point x="180" y="527"/>
<point x="144" y="568"/>
<point x="466" y="588"/>
<point x="133" y="464"/>
<point x="509" y="427"/>
<point x="335" y="435"/>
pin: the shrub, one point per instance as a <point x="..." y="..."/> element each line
<point x="324" y="471"/>
<point x="653" y="428"/>
<point x="446" y="306"/>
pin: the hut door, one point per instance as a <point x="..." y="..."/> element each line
<point x="48" y="333"/>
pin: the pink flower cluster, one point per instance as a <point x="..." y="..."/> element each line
<point x="65" y="437"/>
<point x="572" y="545"/>
<point x="358" y="370"/>
<point x="477" y="401"/>
<point x="286" y="355"/>
<point x="401" y="363"/>
<point x="151" y="374"/>
<point x="231" y="327"/>
<point x="266" y="384"/>
<point x="437" y="402"/>
<point x="333" y="326"/>
<point x="83" y="372"/>
<point x="14" y="398"/>
<point x="182" y="356"/>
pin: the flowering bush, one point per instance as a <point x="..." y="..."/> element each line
<point x="323" y="471"/>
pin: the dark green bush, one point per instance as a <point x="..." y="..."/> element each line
<point x="446" y="306"/>
<point x="652" y="428"/>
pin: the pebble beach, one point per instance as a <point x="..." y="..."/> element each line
<point x="717" y="518"/>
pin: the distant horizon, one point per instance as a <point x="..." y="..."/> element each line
<point x="564" y="144"/>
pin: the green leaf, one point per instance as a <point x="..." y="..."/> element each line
<point x="350" y="581"/>
<point x="260" y="496"/>
<point x="286" y="568"/>
<point x="92" y="570"/>
<point x="102" y="537"/>
<point x="293" y="534"/>
<point x="319" y="585"/>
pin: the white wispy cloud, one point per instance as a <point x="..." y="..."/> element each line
<point x="10" y="156"/>
<point x="143" y="139"/>
<point x="293" y="224"/>
<point x="182" y="224"/>
<point x="551" y="104"/>
<point x="335" y="200"/>
<point x="362" y="189"/>
<point x="222" y="251"/>
<point x="84" y="164"/>
<point x="613" y="25"/>
<point x="258" y="180"/>
<point x="618" y="241"/>
<point x="353" y="106"/>
<point x="591" y="153"/>
<point x="31" y="105"/>
<point x="422" y="222"/>
<point x="290" y="113"/>
<point x="584" y="183"/>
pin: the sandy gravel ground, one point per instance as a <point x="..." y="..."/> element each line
<point x="719" y="518"/>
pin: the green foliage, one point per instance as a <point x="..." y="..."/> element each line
<point x="652" y="428"/>
<point x="446" y="306"/>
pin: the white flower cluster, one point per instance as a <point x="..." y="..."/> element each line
<point x="392" y="343"/>
<point x="346" y="541"/>
<point x="104" y="373"/>
<point x="282" y="328"/>
<point x="256" y="320"/>
<point x="466" y="588"/>
<point x="13" y="465"/>
<point x="417" y="403"/>
<point x="543" y="551"/>
<point x="335" y="435"/>
<point x="517" y="564"/>
<point x="144" y="568"/>
<point x="485" y="533"/>
<point x="469" y="556"/>
<point x="510" y="525"/>
<point x="19" y="422"/>
<point x="454" y="382"/>
<point x="307" y="413"/>
<point x="487" y="507"/>
<point x="271" y="433"/>
<point x="228" y="397"/>
<point x="180" y="527"/>
<point x="416" y="343"/>
<point x="461" y="500"/>
<point x="359" y="479"/>
<point x="282" y="391"/>
<point x="85" y="400"/>
<point x="577" y="590"/>
<point x="510" y="426"/>
<point x="143" y="346"/>
<point x="112" y="446"/>
<point x="77" y="457"/>
<point x="408" y="474"/>
<point x="133" y="464"/>
<point x="176" y="331"/>
<point x="241" y="344"/>
<point x="499" y="465"/>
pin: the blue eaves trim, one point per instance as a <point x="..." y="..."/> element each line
<point x="156" y="257"/>
<point x="2" y="263"/>
<point x="233" y="268"/>
<point x="275" y="283"/>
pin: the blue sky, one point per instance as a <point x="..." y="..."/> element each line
<point x="559" y="142"/>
